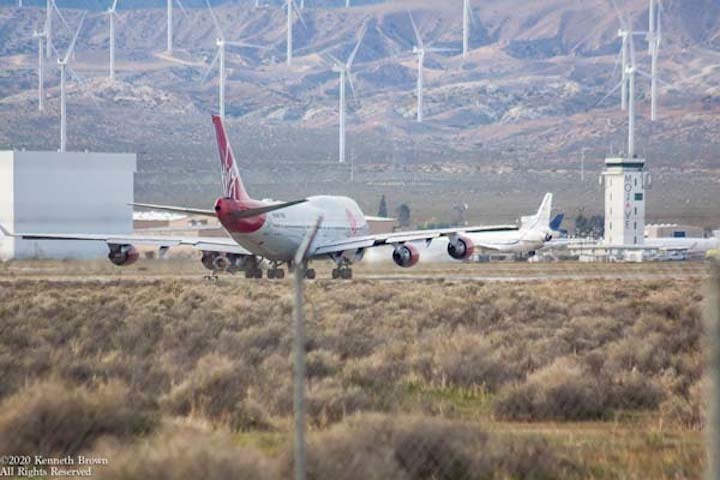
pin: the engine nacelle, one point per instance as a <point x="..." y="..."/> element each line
<point x="123" y="255"/>
<point x="406" y="256"/>
<point x="223" y="262"/>
<point x="461" y="249"/>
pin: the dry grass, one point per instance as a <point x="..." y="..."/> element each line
<point x="608" y="351"/>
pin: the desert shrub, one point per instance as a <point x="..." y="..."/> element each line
<point x="217" y="390"/>
<point x="321" y="364"/>
<point x="51" y="418"/>
<point x="634" y="392"/>
<point x="329" y="402"/>
<point x="467" y="361"/>
<point x="691" y="411"/>
<point x="561" y="391"/>
<point x="409" y="448"/>
<point x="186" y="456"/>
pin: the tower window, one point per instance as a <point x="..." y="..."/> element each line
<point x="635" y="240"/>
<point x="638" y="197"/>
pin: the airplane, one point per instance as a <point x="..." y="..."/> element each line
<point x="262" y="232"/>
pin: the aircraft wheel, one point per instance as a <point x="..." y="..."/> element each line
<point x="346" y="274"/>
<point x="271" y="274"/>
<point x="335" y="274"/>
<point x="310" y="274"/>
<point x="280" y="273"/>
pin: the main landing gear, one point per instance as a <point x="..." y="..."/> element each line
<point x="342" y="272"/>
<point x="275" y="272"/>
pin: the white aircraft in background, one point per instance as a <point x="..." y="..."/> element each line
<point x="273" y="231"/>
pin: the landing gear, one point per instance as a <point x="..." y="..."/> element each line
<point x="275" y="273"/>
<point x="253" y="272"/>
<point x="344" y="273"/>
<point x="310" y="274"/>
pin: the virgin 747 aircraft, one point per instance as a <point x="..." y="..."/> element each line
<point x="270" y="232"/>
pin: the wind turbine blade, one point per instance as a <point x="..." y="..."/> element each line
<point x="418" y="38"/>
<point x="247" y="45"/>
<point x="75" y="37"/>
<point x="610" y="93"/>
<point x="618" y="60"/>
<point x="351" y="59"/>
<point x="211" y="67"/>
<point x="619" y="14"/>
<point x="334" y="59"/>
<point x="649" y="77"/>
<point x="114" y="6"/>
<point x="299" y="12"/>
<point x="215" y="20"/>
<point x="352" y="87"/>
<point x="471" y="14"/>
<point x="439" y="49"/>
<point x="182" y="7"/>
<point x="55" y="51"/>
<point x="62" y="19"/>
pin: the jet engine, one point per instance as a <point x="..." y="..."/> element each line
<point x="223" y="262"/>
<point x="123" y="255"/>
<point x="461" y="249"/>
<point x="406" y="256"/>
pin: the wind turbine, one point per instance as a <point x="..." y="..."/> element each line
<point x="290" y="5"/>
<point x="170" y="23"/>
<point x="63" y="62"/>
<point x="220" y="58"/>
<point x="111" y="15"/>
<point x="50" y="6"/>
<point x="41" y="37"/>
<point x="345" y="72"/>
<point x="421" y="50"/>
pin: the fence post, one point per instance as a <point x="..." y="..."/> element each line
<point x="299" y="346"/>
<point x="712" y="325"/>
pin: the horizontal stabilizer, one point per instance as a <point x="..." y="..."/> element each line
<point x="254" y="212"/>
<point x="166" y="208"/>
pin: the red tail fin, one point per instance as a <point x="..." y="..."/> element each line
<point x="232" y="183"/>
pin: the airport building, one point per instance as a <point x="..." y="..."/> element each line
<point x="64" y="192"/>
<point x="625" y="182"/>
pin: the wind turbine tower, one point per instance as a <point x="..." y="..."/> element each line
<point x="111" y="15"/>
<point x="41" y="37"/>
<point x="63" y="62"/>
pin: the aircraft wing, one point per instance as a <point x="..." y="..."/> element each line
<point x="223" y="245"/>
<point x="369" y="241"/>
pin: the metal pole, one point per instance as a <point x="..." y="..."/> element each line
<point x="299" y="347"/>
<point x="342" y="115"/>
<point x="48" y="29"/>
<point x="169" y="26"/>
<point x="300" y="263"/>
<point x="41" y="75"/>
<point x="289" y="32"/>
<point x="713" y="329"/>
<point x="63" y="113"/>
<point x="222" y="79"/>
<point x="112" y="46"/>
<point x="421" y="61"/>
<point x="466" y="26"/>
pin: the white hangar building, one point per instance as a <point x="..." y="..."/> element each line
<point x="64" y="192"/>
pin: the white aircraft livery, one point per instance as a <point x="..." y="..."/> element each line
<point x="269" y="232"/>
